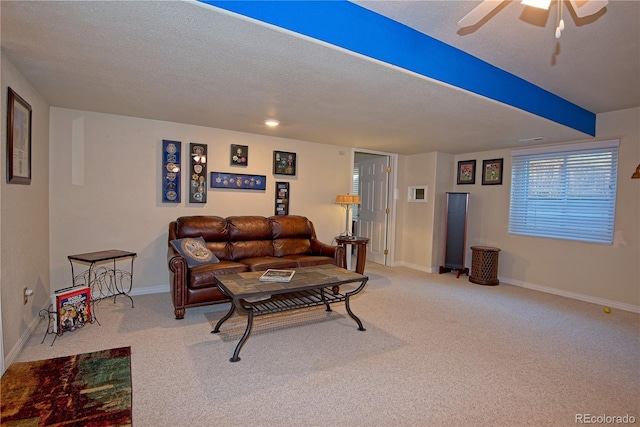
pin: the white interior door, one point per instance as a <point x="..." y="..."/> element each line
<point x="373" y="214"/>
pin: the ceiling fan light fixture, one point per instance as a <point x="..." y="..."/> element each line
<point x="271" y="123"/>
<point x="540" y="4"/>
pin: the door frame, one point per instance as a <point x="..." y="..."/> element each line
<point x="392" y="198"/>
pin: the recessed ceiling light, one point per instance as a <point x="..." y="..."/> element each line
<point x="271" y="123"/>
<point x="534" y="139"/>
<point x="540" y="4"/>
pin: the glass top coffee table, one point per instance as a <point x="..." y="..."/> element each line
<point x="309" y="287"/>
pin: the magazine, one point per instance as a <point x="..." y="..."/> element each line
<point x="72" y="308"/>
<point x="273" y="275"/>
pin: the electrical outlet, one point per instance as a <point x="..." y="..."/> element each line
<point x="25" y="296"/>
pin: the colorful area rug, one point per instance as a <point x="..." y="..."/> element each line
<point x="90" y="389"/>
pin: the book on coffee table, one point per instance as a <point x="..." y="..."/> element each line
<point x="273" y="275"/>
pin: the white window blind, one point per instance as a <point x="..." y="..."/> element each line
<point x="565" y="192"/>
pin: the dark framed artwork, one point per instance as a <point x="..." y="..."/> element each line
<point x="282" y="198"/>
<point x="492" y="172"/>
<point x="198" y="177"/>
<point x="238" y="181"/>
<point x="239" y="155"/>
<point x="467" y="172"/>
<point x="18" y="140"/>
<point x="171" y="171"/>
<point x="284" y="163"/>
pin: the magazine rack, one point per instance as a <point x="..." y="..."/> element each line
<point x="51" y="315"/>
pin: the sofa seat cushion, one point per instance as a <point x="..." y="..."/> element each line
<point x="310" y="260"/>
<point x="203" y="276"/>
<point x="264" y="263"/>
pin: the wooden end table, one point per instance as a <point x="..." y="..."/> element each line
<point x="361" y="248"/>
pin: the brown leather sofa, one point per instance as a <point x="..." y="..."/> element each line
<point x="241" y="243"/>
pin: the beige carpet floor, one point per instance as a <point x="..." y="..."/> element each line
<point x="438" y="351"/>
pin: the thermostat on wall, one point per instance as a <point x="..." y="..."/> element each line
<point x="417" y="193"/>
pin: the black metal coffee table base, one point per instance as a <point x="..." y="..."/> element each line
<point x="325" y="294"/>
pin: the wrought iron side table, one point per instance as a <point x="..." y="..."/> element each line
<point x="105" y="281"/>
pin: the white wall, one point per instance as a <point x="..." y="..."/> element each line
<point x="24" y="221"/>
<point x="117" y="204"/>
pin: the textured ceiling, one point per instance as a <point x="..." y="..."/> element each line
<point x="191" y="63"/>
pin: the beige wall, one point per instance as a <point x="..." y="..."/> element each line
<point x="593" y="272"/>
<point x="603" y="274"/>
<point x="24" y="220"/>
<point x="117" y="203"/>
<point x="420" y="230"/>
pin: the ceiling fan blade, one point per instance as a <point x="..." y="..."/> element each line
<point x="587" y="8"/>
<point x="479" y="12"/>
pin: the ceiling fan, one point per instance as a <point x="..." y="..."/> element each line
<point x="582" y="8"/>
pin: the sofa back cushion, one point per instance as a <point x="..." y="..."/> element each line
<point x="251" y="249"/>
<point x="249" y="236"/>
<point x="292" y="235"/>
<point x="291" y="226"/>
<point x="242" y="228"/>
<point x="213" y="229"/>
<point x="291" y="246"/>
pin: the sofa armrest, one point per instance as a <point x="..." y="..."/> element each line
<point x="178" y="271"/>
<point x="335" y="252"/>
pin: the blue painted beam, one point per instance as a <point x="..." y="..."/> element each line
<point x="349" y="26"/>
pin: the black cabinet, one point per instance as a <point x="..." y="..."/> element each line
<point x="455" y="231"/>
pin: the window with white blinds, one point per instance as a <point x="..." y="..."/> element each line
<point x="565" y="192"/>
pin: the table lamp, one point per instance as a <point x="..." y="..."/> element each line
<point x="347" y="201"/>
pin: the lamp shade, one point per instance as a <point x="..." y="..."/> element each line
<point x="636" y="174"/>
<point x="347" y="199"/>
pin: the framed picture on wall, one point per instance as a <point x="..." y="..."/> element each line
<point x="18" y="140"/>
<point x="198" y="177"/>
<point x="239" y="155"/>
<point x="238" y="181"/>
<point x="284" y="163"/>
<point x="467" y="172"/>
<point x="171" y="171"/>
<point x="282" y="198"/>
<point x="492" y="172"/>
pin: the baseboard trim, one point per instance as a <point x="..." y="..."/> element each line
<point x="22" y="341"/>
<point x="522" y="284"/>
<point x="572" y="295"/>
<point x="150" y="290"/>
<point x="415" y="267"/>
<point x="30" y="330"/>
